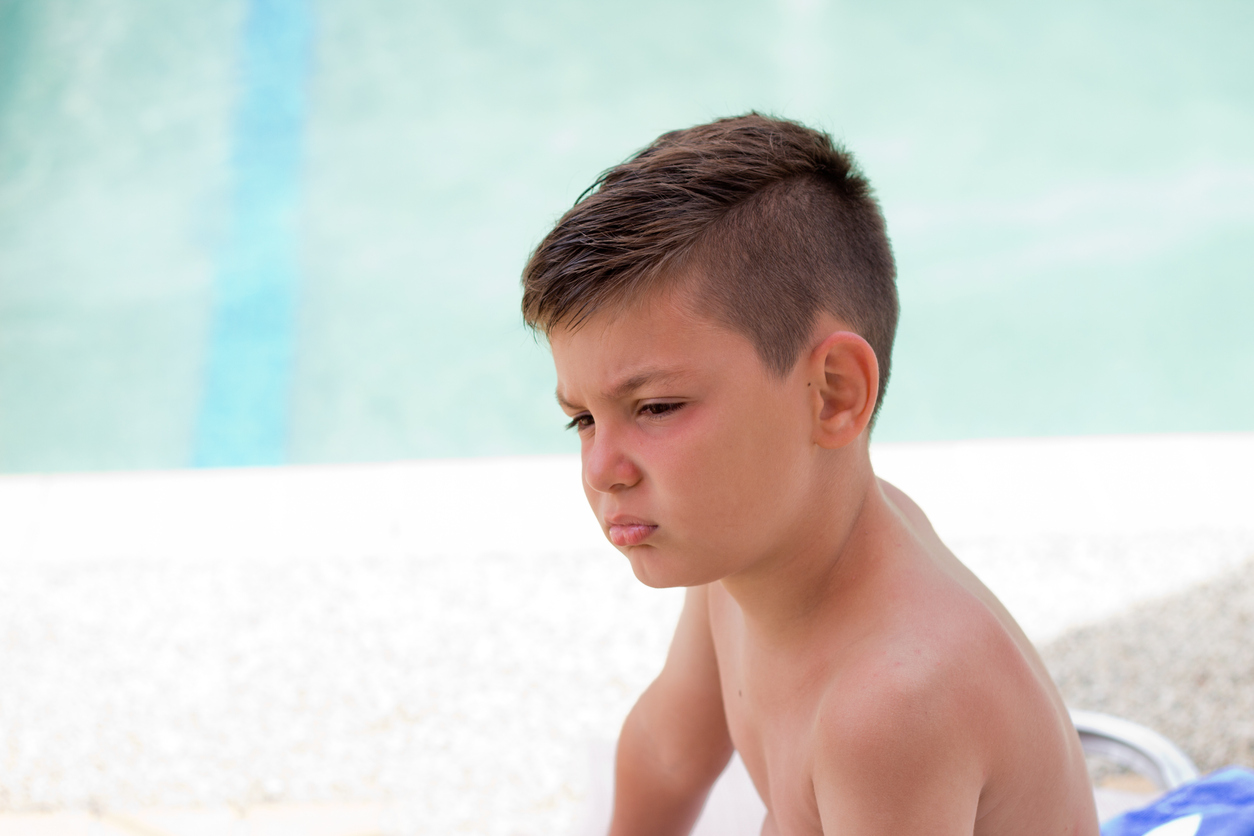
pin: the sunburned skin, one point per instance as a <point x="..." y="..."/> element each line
<point x="1002" y="754"/>
<point x="870" y="682"/>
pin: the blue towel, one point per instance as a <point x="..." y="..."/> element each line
<point x="1220" y="804"/>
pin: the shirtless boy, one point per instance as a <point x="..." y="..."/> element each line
<point x="721" y="310"/>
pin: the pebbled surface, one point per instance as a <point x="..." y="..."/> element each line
<point x="1182" y="665"/>
<point x="459" y="692"/>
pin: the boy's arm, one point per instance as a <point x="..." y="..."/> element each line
<point x="895" y="760"/>
<point x="674" y="743"/>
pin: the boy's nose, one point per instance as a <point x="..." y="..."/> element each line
<point x="607" y="467"/>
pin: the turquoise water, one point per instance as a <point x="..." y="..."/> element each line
<point x="1069" y="189"/>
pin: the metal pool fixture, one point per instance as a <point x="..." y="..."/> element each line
<point x="1135" y="747"/>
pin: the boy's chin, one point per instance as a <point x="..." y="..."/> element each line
<point x="654" y="568"/>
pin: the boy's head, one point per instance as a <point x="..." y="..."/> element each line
<point x="699" y="304"/>
<point x="769" y="221"/>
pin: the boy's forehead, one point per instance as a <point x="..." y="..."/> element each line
<point x="614" y="352"/>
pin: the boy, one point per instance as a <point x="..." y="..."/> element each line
<point x="721" y="310"/>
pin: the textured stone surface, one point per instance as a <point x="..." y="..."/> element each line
<point x="1182" y="665"/>
<point x="459" y="692"/>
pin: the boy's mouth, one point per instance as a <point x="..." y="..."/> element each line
<point x="630" y="534"/>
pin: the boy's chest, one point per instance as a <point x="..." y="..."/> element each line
<point x="770" y="710"/>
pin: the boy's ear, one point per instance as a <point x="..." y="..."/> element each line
<point x="845" y="377"/>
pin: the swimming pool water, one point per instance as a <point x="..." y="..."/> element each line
<point x="1069" y="189"/>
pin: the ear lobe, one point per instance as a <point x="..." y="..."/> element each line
<point x="845" y="378"/>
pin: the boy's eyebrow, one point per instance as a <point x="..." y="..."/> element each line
<point x="631" y="384"/>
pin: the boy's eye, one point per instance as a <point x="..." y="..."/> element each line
<point x="660" y="408"/>
<point x="580" y="422"/>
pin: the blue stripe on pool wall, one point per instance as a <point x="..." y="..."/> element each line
<point x="244" y="411"/>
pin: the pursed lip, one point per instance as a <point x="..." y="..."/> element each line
<point x="628" y="531"/>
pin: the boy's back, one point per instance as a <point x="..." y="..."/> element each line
<point x="721" y="314"/>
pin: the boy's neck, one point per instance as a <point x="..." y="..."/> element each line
<point x="783" y="595"/>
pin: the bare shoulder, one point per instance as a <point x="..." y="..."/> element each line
<point x="926" y="674"/>
<point x="934" y="632"/>
<point x="943" y="718"/>
<point x="899" y="745"/>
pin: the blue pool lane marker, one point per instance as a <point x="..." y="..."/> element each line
<point x="244" y="410"/>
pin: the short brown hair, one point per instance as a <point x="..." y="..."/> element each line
<point x="776" y="220"/>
